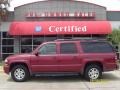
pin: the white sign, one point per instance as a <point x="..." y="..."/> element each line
<point x="68" y="29"/>
<point x="60" y="14"/>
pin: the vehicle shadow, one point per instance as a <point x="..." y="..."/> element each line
<point x="111" y="76"/>
<point x="71" y="78"/>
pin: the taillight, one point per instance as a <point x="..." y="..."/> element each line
<point x="116" y="57"/>
<point x="117" y="61"/>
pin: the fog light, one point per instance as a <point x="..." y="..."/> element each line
<point x="6" y="61"/>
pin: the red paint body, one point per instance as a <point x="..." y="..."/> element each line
<point x="62" y="62"/>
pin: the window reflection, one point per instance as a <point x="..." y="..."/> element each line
<point x="38" y="41"/>
<point x="6" y="45"/>
<point x="26" y="41"/>
<point x="26" y="49"/>
<point x="6" y="55"/>
<point x="7" y="41"/>
<point x="35" y="46"/>
<point x="7" y="49"/>
<point x="50" y="38"/>
<point x="5" y="35"/>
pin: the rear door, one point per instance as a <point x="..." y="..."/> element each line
<point x="69" y="60"/>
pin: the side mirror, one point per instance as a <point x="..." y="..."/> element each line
<point x="36" y="53"/>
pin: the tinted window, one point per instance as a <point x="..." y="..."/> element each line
<point x="68" y="48"/>
<point x="7" y="41"/>
<point x="96" y="47"/>
<point x="38" y="40"/>
<point x="48" y="49"/>
<point x="5" y="35"/>
<point x="7" y="49"/>
<point x="26" y="41"/>
<point x="26" y="49"/>
<point x="50" y="38"/>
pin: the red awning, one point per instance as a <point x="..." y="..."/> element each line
<point x="60" y="27"/>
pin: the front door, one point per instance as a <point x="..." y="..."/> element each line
<point x="46" y="60"/>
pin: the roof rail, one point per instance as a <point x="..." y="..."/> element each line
<point x="85" y="39"/>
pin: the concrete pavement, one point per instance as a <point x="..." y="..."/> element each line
<point x="109" y="81"/>
<point x="1" y="68"/>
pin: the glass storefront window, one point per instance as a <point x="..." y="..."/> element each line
<point x="7" y="41"/>
<point x="38" y="41"/>
<point x="7" y="45"/>
<point x="35" y="46"/>
<point x="26" y="49"/>
<point x="50" y="38"/>
<point x="81" y="36"/>
<point x="60" y="36"/>
<point x="5" y="35"/>
<point x="7" y="49"/>
<point x="68" y="36"/>
<point x="26" y="41"/>
<point x="5" y="55"/>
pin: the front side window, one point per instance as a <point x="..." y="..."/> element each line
<point x="48" y="49"/>
<point x="68" y="48"/>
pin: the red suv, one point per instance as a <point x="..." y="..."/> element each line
<point x="87" y="57"/>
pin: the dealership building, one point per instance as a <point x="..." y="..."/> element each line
<point x="31" y="24"/>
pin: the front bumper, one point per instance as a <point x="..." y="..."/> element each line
<point x="111" y="67"/>
<point x="6" y="68"/>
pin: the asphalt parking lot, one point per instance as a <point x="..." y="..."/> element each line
<point x="109" y="81"/>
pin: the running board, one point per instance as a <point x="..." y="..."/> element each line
<point x="55" y="74"/>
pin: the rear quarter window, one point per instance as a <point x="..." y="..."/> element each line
<point x="96" y="47"/>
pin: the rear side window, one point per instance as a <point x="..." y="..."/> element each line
<point x="68" y="48"/>
<point x="96" y="47"/>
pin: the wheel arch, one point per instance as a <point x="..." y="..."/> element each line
<point x="100" y="64"/>
<point x="19" y="63"/>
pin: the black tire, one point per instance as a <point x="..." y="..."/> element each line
<point x="89" y="76"/>
<point x="23" y="70"/>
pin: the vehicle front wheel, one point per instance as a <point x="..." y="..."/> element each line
<point x="20" y="73"/>
<point x="93" y="72"/>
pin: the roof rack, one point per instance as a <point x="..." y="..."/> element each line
<point x="82" y="39"/>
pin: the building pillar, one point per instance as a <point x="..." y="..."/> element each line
<point x="16" y="45"/>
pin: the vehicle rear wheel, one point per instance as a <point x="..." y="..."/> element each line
<point x="93" y="72"/>
<point x="20" y="73"/>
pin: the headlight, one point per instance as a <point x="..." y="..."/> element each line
<point x="6" y="60"/>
